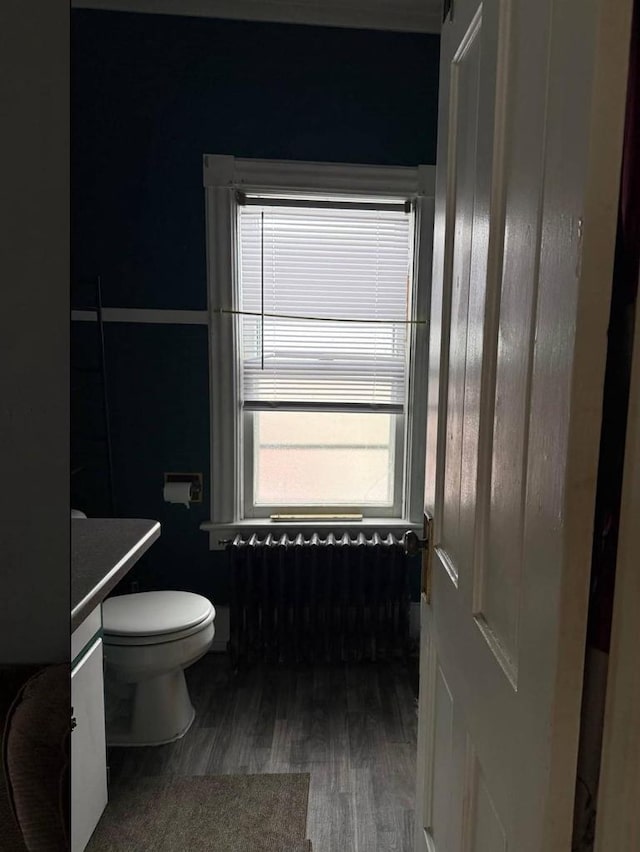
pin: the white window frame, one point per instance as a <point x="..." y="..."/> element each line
<point x="253" y="512"/>
<point x="223" y="177"/>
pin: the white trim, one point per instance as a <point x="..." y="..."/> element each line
<point x="422" y="16"/>
<point x="261" y="513"/>
<point x="349" y="178"/>
<point x="400" y="451"/>
<point x="84" y="316"/>
<point x="222" y="175"/>
<point x="419" y="350"/>
<point x="144" y="315"/>
<point x="223" y="372"/>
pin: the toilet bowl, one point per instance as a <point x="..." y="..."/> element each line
<point x="149" y="639"/>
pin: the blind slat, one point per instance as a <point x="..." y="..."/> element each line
<point x="329" y="264"/>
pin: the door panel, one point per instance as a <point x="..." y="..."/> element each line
<point x="484" y="828"/>
<point x="443" y="793"/>
<point x="470" y="163"/>
<point x="457" y="791"/>
<point x="505" y="479"/>
<point x="526" y="188"/>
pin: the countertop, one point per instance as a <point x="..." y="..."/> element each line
<point x="102" y="551"/>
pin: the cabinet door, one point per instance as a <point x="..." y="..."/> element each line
<point x="88" y="747"/>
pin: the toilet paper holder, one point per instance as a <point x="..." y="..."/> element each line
<point x="195" y="479"/>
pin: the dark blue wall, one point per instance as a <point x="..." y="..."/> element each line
<point x="150" y="95"/>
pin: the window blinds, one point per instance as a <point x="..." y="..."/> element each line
<point x="328" y="290"/>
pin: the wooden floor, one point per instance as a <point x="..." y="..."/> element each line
<point x="352" y="727"/>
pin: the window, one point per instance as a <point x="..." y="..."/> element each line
<point x="316" y="321"/>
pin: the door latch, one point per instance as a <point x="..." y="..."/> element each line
<point x="413" y="545"/>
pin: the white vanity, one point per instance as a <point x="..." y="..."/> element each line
<point x="102" y="551"/>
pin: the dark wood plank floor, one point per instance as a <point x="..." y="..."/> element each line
<point x="352" y="727"/>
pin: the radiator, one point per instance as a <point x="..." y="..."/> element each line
<point x="318" y="599"/>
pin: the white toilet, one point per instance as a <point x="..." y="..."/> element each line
<point x="149" y="639"/>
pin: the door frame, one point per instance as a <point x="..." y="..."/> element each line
<point x="618" y="817"/>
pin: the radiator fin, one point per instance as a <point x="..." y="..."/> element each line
<point x="318" y="599"/>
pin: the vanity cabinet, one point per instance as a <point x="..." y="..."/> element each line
<point x="102" y="551"/>
<point x="88" y="742"/>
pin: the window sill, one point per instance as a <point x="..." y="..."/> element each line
<point x="219" y="533"/>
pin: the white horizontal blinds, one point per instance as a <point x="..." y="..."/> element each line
<point x="338" y="281"/>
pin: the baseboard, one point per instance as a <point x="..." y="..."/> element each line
<point x="222" y="627"/>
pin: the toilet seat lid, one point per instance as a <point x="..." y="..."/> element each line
<point x="154" y="613"/>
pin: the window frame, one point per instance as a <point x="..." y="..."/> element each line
<point x="252" y="511"/>
<point x="224" y="176"/>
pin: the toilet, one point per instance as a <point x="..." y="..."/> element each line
<point x="149" y="639"/>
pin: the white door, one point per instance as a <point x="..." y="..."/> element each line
<point x="530" y="127"/>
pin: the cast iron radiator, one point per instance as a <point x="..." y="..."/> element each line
<point x="318" y="599"/>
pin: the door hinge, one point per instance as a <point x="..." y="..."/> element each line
<point x="427" y="557"/>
